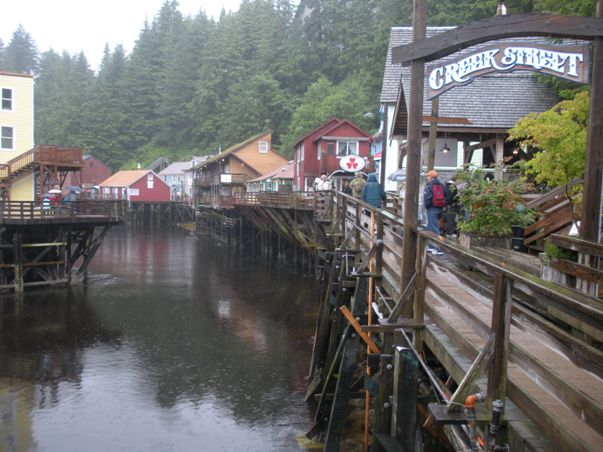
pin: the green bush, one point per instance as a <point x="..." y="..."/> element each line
<point x="491" y="207"/>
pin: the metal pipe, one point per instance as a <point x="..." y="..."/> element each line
<point x="498" y="407"/>
<point x="469" y="410"/>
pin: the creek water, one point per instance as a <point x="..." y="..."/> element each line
<point x="174" y="344"/>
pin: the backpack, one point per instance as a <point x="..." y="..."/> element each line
<point x="439" y="196"/>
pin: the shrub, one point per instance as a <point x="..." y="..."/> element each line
<point x="491" y="207"/>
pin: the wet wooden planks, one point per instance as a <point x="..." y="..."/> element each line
<point x="564" y="400"/>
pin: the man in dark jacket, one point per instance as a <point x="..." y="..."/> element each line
<point x="373" y="192"/>
<point x="434" y="204"/>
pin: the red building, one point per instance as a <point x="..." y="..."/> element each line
<point x="135" y="185"/>
<point x="93" y="172"/>
<point x="321" y="150"/>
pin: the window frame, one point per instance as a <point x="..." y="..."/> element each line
<point x="11" y="100"/>
<point x="3" y="138"/>
<point x="347" y="143"/>
<point x="263" y="147"/>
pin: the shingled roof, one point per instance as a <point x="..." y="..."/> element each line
<point x="492" y="103"/>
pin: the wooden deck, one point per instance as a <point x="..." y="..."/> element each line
<point x="23" y="213"/>
<point x="544" y="339"/>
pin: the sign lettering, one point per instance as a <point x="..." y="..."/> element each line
<point x="567" y="62"/>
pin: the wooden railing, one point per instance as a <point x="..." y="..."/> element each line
<point x="283" y="200"/>
<point x="554" y="213"/>
<point x="485" y="309"/>
<point x="44" y="154"/>
<point x="57" y="156"/>
<point x="28" y="212"/>
<point x="578" y="264"/>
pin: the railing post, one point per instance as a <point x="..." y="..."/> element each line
<point x="18" y="269"/>
<point x="357" y="228"/>
<point x="344" y="209"/>
<point x="419" y="301"/>
<point x="501" y="327"/>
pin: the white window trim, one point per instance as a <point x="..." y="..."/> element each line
<point x="12" y="99"/>
<point x="14" y="138"/>
<point x="347" y="141"/>
<point x="263" y="147"/>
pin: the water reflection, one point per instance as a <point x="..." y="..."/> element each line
<point x="175" y="344"/>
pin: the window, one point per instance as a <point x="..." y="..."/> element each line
<point x="263" y="147"/>
<point x="347" y="148"/>
<point x="6" y="138"/>
<point x="7" y="99"/>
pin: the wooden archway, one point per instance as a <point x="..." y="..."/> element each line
<point x="423" y="50"/>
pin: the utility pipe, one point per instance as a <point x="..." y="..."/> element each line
<point x="469" y="410"/>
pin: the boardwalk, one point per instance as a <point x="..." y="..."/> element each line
<point x="490" y="325"/>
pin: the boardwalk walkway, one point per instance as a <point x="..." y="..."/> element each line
<point x="541" y="341"/>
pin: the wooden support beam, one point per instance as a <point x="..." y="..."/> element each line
<point x="404" y="300"/>
<point x="590" y="227"/>
<point x="404" y="409"/>
<point x="498" y="27"/>
<point x="413" y="157"/>
<point x="373" y="348"/>
<point x="340" y="406"/>
<point x="501" y="325"/>
<point x="477" y="369"/>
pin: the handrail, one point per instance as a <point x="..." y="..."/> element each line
<point x="29" y="211"/>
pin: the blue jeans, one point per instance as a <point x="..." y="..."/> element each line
<point x="433" y="218"/>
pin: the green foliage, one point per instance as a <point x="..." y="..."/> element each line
<point x="492" y="207"/>
<point x="193" y="84"/>
<point x="560" y="135"/>
<point x="21" y="54"/>
<point x="323" y="101"/>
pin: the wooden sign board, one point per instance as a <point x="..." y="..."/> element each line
<point x="571" y="63"/>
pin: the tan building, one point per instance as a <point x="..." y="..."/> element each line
<point x="226" y="173"/>
<point x="17" y="129"/>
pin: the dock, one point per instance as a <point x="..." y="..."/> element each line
<point x="476" y="324"/>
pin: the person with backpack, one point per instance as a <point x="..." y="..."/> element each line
<point x="435" y="196"/>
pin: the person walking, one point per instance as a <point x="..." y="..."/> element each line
<point x="435" y="195"/>
<point x="373" y="192"/>
<point x="357" y="185"/>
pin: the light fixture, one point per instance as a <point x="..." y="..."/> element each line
<point x="515" y="151"/>
<point x="501" y="10"/>
<point x="445" y="148"/>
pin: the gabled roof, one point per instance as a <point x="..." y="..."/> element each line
<point x="284" y="172"/>
<point x="177" y="168"/>
<point x="232" y="149"/>
<point x="492" y="102"/>
<point x="340" y="123"/>
<point x="311" y="132"/>
<point x="125" y="178"/>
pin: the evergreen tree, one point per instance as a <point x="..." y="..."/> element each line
<point x="21" y="54"/>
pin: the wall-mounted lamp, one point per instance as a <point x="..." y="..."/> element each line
<point x="515" y="151"/>
<point x="445" y="148"/>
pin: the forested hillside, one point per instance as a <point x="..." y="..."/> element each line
<point x="192" y="84"/>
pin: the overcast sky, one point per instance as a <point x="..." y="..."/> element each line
<point x="80" y="25"/>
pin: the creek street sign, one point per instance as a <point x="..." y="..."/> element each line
<point x="571" y="63"/>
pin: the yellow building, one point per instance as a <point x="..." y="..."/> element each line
<point x="16" y="131"/>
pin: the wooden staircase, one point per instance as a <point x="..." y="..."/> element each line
<point x="49" y="157"/>
<point x="554" y="214"/>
